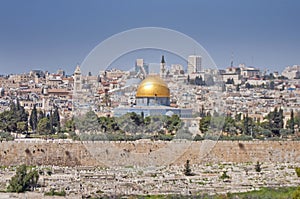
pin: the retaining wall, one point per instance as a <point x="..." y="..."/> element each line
<point x="144" y="152"/>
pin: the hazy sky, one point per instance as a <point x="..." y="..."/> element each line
<point x="40" y="34"/>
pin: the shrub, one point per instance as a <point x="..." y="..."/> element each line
<point x="55" y="193"/>
<point x="23" y="180"/>
<point x="258" y="167"/>
<point x="297" y="169"/>
<point x="296" y="193"/>
<point x="187" y="169"/>
<point x="198" y="138"/>
<point x="224" y="175"/>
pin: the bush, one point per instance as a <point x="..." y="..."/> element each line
<point x="296" y="193"/>
<point x="163" y="137"/>
<point x="52" y="192"/>
<point x="184" y="134"/>
<point x="297" y="169"/>
<point x="23" y="180"/>
<point x="198" y="138"/>
<point x="187" y="169"/>
<point x="6" y="136"/>
<point x="258" y="167"/>
<point x="242" y="137"/>
<point x="61" y="136"/>
<point x="224" y="175"/>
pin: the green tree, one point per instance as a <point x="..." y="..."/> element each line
<point x="275" y="121"/>
<point x="297" y="170"/>
<point x="246" y="123"/>
<point x="224" y="175"/>
<point x="18" y="106"/>
<point x="9" y="119"/>
<point x="297" y="120"/>
<point x="173" y="123"/>
<point x="155" y="124"/>
<point x="204" y="124"/>
<point x="22" y="127"/>
<point x="33" y="121"/>
<point x="258" y="167"/>
<point x="43" y="126"/>
<point x="70" y="125"/>
<point x="41" y="115"/>
<point x="198" y="138"/>
<point x="12" y="107"/>
<point x="202" y="111"/>
<point x="56" y="119"/>
<point x="229" y="125"/>
<point x="23" y="180"/>
<point x="88" y="123"/>
<point x="137" y="119"/>
<point x="291" y="122"/>
<point x="296" y="194"/>
<point x="187" y="169"/>
<point x="50" y="117"/>
<point x="184" y="134"/>
<point x="130" y="123"/>
<point x="20" y="114"/>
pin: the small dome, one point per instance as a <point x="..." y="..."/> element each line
<point x="153" y="86"/>
<point x="170" y="113"/>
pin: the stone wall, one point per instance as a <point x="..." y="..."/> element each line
<point x="145" y="152"/>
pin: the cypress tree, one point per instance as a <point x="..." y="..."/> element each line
<point x="56" y="119"/>
<point x="41" y="115"/>
<point x="52" y="130"/>
<point x="12" y="107"/>
<point x="33" y="118"/>
<point x="18" y="106"/>
<point x="292" y="122"/>
<point x="187" y="169"/>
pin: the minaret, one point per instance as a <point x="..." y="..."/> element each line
<point x="77" y="79"/>
<point x="162" y="67"/>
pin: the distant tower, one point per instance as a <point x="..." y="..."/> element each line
<point x="77" y="79"/>
<point x="162" y="67"/>
<point x="231" y="64"/>
<point x="194" y="64"/>
<point x="141" y="68"/>
<point x="138" y="64"/>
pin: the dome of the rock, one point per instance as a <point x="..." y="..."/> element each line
<point x="153" y="86"/>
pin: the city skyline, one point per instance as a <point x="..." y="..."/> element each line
<point x="52" y="35"/>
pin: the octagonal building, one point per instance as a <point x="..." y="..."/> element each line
<point x="153" y="98"/>
<point x="153" y="91"/>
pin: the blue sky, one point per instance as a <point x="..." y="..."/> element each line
<point x="39" y="34"/>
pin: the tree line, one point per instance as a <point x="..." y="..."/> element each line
<point x="136" y="126"/>
<point x="89" y="125"/>
<point x="271" y="126"/>
<point x="16" y="119"/>
<point x="130" y="126"/>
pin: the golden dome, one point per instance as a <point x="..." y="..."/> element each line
<point x="153" y="86"/>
